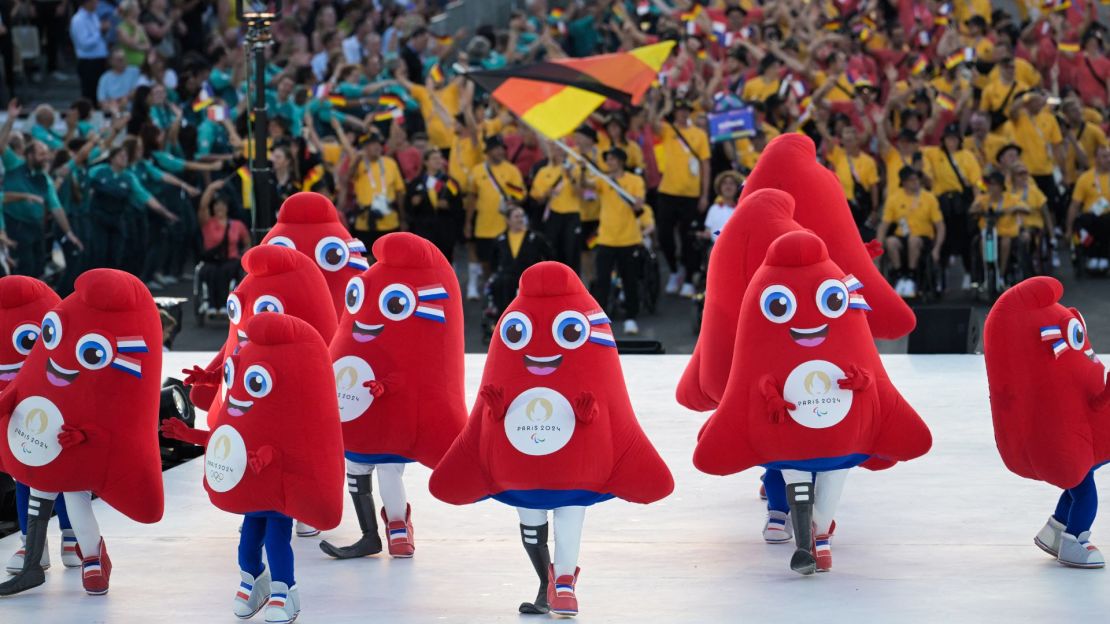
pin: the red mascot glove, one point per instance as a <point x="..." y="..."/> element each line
<point x="260" y="459"/>
<point x="857" y="379"/>
<point x="585" y="408"/>
<point x="177" y="430"/>
<point x="198" y="376"/>
<point x="71" y="436"/>
<point x="777" y="406"/>
<point x="493" y="400"/>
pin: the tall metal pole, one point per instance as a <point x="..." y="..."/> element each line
<point x="258" y="37"/>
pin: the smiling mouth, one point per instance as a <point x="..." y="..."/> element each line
<point x="542" y="365"/>
<point x="810" y="337"/>
<point x="362" y="332"/>
<point x="9" y="371"/>
<point x="238" y="408"/>
<point x="59" y="376"/>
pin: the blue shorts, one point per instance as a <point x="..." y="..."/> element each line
<point x="821" y="464"/>
<point x="265" y="514"/>
<point x="550" y="499"/>
<point x="378" y="458"/>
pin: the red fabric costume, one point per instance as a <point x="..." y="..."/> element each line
<point x="278" y="280"/>
<point x="789" y="163"/>
<point x="23" y="302"/>
<point x="759" y="219"/>
<point x="83" y="412"/>
<point x="807" y="388"/>
<point x="1048" y="390"/>
<point x="309" y="223"/>
<point x="553" y="425"/>
<point x="277" y="445"/>
<point x="403" y="330"/>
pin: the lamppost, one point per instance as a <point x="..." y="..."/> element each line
<point x="258" y="16"/>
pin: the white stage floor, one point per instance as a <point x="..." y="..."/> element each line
<point x="945" y="538"/>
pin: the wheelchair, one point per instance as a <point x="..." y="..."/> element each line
<point x="927" y="275"/>
<point x="204" y="309"/>
<point x="650" y="274"/>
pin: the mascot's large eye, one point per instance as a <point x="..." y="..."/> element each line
<point x="258" y="381"/>
<point x="24" y="337"/>
<point x="268" y="303"/>
<point x="229" y="377"/>
<point x="332" y="253"/>
<point x="1077" y="334"/>
<point x="397" y="302"/>
<point x="571" y="329"/>
<point x="94" y="351"/>
<point x="516" y="330"/>
<point x="51" y="330"/>
<point x="777" y="303"/>
<point x="234" y="309"/>
<point x="281" y="241"/>
<point x="353" y="296"/>
<point x="832" y="298"/>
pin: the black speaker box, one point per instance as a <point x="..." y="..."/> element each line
<point x="945" y="329"/>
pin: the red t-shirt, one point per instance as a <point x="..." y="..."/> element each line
<point x="410" y="160"/>
<point x="523" y="156"/>
<point x="213" y="233"/>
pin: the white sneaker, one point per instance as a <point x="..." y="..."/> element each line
<point x="673" y="284"/>
<point x="1048" y="538"/>
<point x="284" y="605"/>
<point x="69" y="549"/>
<point x="252" y="595"/>
<point x="966" y="283"/>
<point x="1092" y="264"/>
<point x="910" y="289"/>
<point x="900" y="287"/>
<point x="1079" y="552"/>
<point x="777" y="529"/>
<point x="15" y="564"/>
<point x="687" y="291"/>
<point x="474" y="275"/>
<point x="1103" y="264"/>
<point x="1055" y="260"/>
<point x="630" y="327"/>
<point x="304" y="530"/>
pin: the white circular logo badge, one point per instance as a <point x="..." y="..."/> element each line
<point x="225" y="459"/>
<point x="812" y="387"/>
<point x="351" y="372"/>
<point x="540" y="421"/>
<point x="33" y="431"/>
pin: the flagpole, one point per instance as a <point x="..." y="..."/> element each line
<point x="585" y="162"/>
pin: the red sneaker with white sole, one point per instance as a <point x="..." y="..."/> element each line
<point x="822" y="551"/>
<point x="95" y="571"/>
<point x="560" y="592"/>
<point x="400" y="534"/>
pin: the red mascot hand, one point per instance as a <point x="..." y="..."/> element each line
<point x="260" y="459"/>
<point x="856" y="379"/>
<point x="493" y="398"/>
<point x="175" y="429"/>
<point x="874" y="248"/>
<point x="585" y="408"/>
<point x="777" y="406"/>
<point x="198" y="376"/>
<point x="393" y="382"/>
<point x="71" y="436"/>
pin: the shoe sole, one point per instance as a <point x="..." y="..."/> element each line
<point x="289" y="621"/>
<point x="14" y="571"/>
<point x="1081" y="566"/>
<point x="779" y="541"/>
<point x="565" y="613"/>
<point x="313" y="534"/>
<point x="247" y="617"/>
<point x="1045" y="547"/>
<point x="96" y="593"/>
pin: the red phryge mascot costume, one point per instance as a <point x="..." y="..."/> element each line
<point x="82" y="418"/>
<point x="23" y="303"/>
<point x="807" y="394"/>
<point x="398" y="363"/>
<point x="309" y="223"/>
<point x="274" y="455"/>
<point x="553" y="428"/>
<point x="1051" y="408"/>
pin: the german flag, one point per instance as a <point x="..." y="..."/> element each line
<point x="1070" y="47"/>
<point x="313" y="176"/>
<point x="946" y="102"/>
<point x="919" y="66"/>
<point x="445" y="41"/>
<point x="452" y="186"/>
<point x="337" y="101"/>
<point x="391" y="101"/>
<point x="555" y="97"/>
<point x="514" y="191"/>
<point x="436" y="73"/>
<point x="204" y="99"/>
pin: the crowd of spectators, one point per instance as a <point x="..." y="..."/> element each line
<point x="941" y="120"/>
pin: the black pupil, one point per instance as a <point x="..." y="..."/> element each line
<point x="332" y="255"/>
<point x="48" y="333"/>
<point x="395" y="304"/>
<point x="1078" y="336"/>
<point x="778" y="306"/>
<point x="572" y="332"/>
<point x="352" y="297"/>
<point x="514" y="333"/>
<point x="256" y="383"/>
<point x="27" y="340"/>
<point x="91" y="354"/>
<point x="835" y="300"/>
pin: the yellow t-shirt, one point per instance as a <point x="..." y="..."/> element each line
<point x="567" y="200"/>
<point x="966" y="8"/>
<point x="589" y="205"/>
<point x="619" y="226"/>
<point x="1090" y="139"/>
<point x="865" y="167"/>
<point x="1007" y="225"/>
<point x="635" y="154"/>
<point x="1032" y="198"/>
<point x="439" y="134"/>
<point x="944" y="177"/>
<point x="515" y="240"/>
<point x="986" y="153"/>
<point x="489" y="222"/>
<point x="842" y="91"/>
<point x="997" y="97"/>
<point x="894" y="162"/>
<point x="332" y="152"/>
<point x="464" y="156"/>
<point x="919" y="213"/>
<point x="371" y="179"/>
<point x="680" y="176"/>
<point x="1036" y="136"/>
<point x="758" y="89"/>
<point x="1092" y="190"/>
<point x="1024" y="73"/>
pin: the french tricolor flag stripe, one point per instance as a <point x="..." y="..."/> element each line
<point x="91" y="568"/>
<point x="431" y="312"/>
<point x="1051" y="332"/>
<point x="431" y="293"/>
<point x="857" y="302"/>
<point x="597" y="318"/>
<point x="356" y="246"/>
<point x="604" y="339"/>
<point x="356" y="262"/>
<point x="851" y="283"/>
<point x="569" y="589"/>
<point x="1059" y="347"/>
<point x="131" y="344"/>
<point x="128" y="365"/>
<point x="398" y="533"/>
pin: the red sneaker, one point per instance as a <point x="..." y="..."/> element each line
<point x="822" y="551"/>
<point x="400" y="535"/>
<point x="95" y="572"/>
<point x="560" y="592"/>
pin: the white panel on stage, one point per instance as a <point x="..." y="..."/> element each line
<point x="946" y="538"/>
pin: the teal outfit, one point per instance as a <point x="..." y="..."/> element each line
<point x="220" y="81"/>
<point x="584" y="38"/>
<point x="161" y="116"/>
<point x="174" y="241"/>
<point x="76" y="209"/>
<point x="111" y="194"/>
<point x="24" y="220"/>
<point x="212" y="138"/>
<point x="50" y="138"/>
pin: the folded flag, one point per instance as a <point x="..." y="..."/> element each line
<point x="204" y="99"/>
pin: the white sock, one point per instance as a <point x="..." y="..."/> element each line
<point x="532" y="517"/>
<point x="568" y="538"/>
<point x="85" y="526"/>
<point x="392" y="490"/>
<point x="826" y="497"/>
